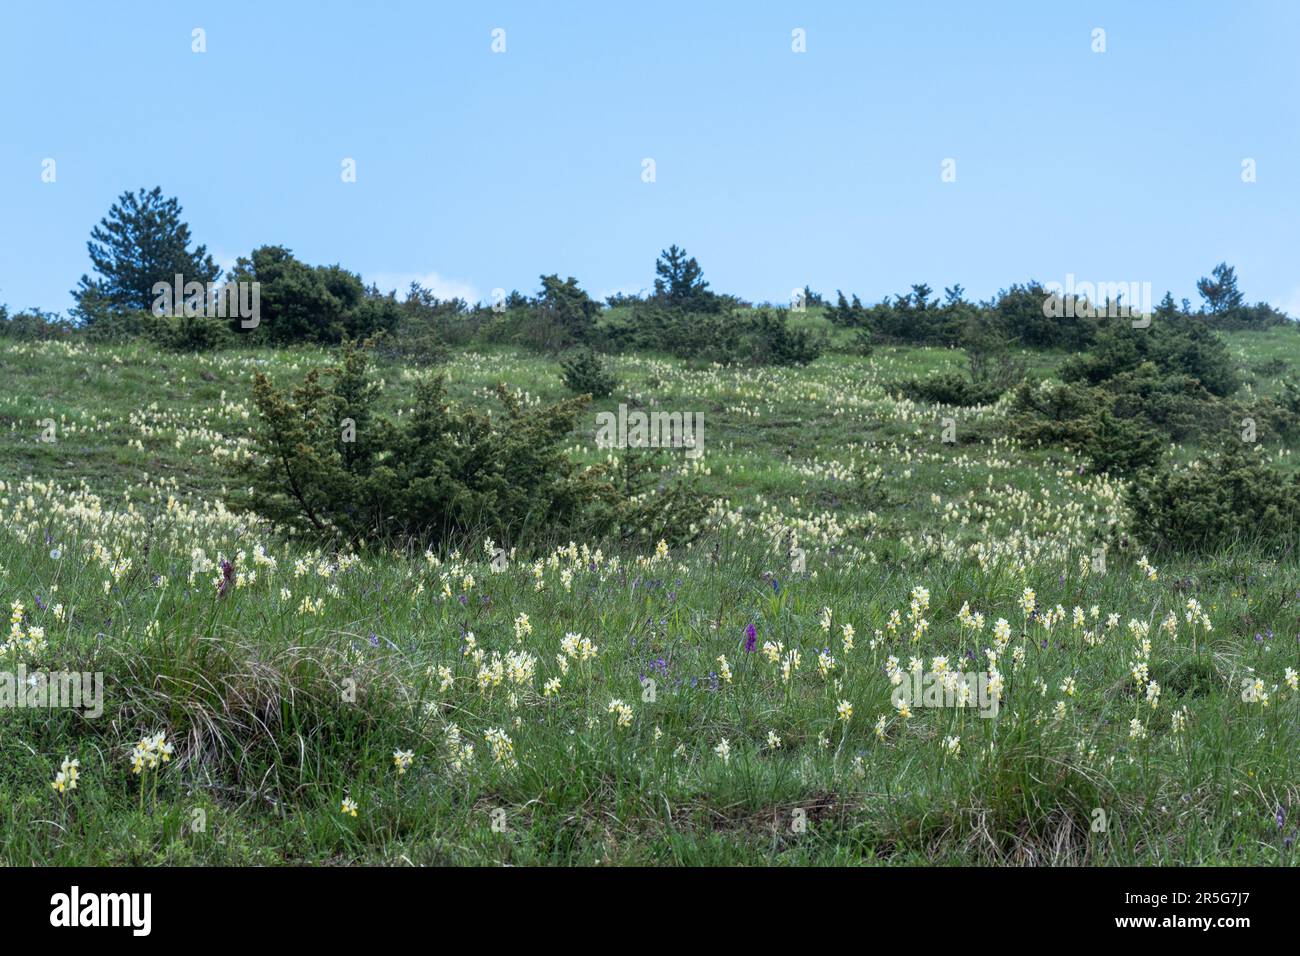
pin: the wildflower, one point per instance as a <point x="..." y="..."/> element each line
<point x="402" y="760"/>
<point x="844" y="711"/>
<point x="751" y="638"/>
<point x="723" y="750"/>
<point x="773" y="741"/>
<point x="790" y="665"/>
<point x="1256" y="692"/>
<point x="1028" y="601"/>
<point x="846" y="637"/>
<point x="952" y="745"/>
<point x="520" y="667"/>
<point x="964" y="616"/>
<point x="880" y="727"/>
<point x="1067" y="687"/>
<point x="349" y="807"/>
<point x="227" y="575"/>
<point x="1153" y="694"/>
<point x="724" y="669"/>
<point x="1178" y="721"/>
<point x="522" y="627"/>
<point x="826" y="619"/>
<point x="1136" y="729"/>
<point x="1140" y="673"/>
<point x="149" y="752"/>
<point x="578" y="647"/>
<point x="622" y="712"/>
<point x="503" y="748"/>
<point x="825" y="664"/>
<point x="66" y="778"/>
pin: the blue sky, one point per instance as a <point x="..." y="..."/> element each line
<point x="478" y="170"/>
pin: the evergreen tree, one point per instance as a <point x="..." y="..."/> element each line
<point x="567" y="306"/>
<point x="141" y="241"/>
<point x="680" y="280"/>
<point x="1220" y="293"/>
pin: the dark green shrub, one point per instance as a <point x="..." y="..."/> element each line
<point x="1025" y="312"/>
<point x="993" y="368"/>
<point x="1214" y="502"/>
<point x="773" y="341"/>
<point x="651" y="326"/>
<point x="302" y="303"/>
<point x="1081" y="419"/>
<point x="947" y="387"/>
<point x="121" y="326"/>
<point x="1121" y="446"/>
<point x="1276" y="417"/>
<point x="184" y="333"/>
<point x="1173" y="403"/>
<point x="328" y="464"/>
<point x="863" y="343"/>
<point x="1173" y="346"/>
<point x="34" y="325"/>
<point x="585" y="374"/>
<point x="560" y="317"/>
<point x="846" y="314"/>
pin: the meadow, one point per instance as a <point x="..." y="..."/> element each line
<point x="728" y="700"/>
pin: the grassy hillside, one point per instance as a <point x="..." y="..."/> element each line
<point x="655" y="736"/>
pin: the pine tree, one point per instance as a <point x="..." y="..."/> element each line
<point x="141" y="241"/>
<point x="680" y="280"/>
<point x="1221" y="294"/>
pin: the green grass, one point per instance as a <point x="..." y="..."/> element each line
<point x="276" y="712"/>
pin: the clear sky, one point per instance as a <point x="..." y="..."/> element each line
<point x="478" y="170"/>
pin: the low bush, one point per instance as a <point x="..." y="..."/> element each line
<point x="1216" y="501"/>
<point x="190" y="333"/>
<point x="330" y="465"/>
<point x="773" y="341"/>
<point x="947" y="387"/>
<point x="733" y="337"/>
<point x="1180" y="347"/>
<point x="585" y="374"/>
<point x="1082" y="419"/>
<point x="34" y="325"/>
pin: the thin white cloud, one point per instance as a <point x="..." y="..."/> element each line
<point x="223" y="261"/>
<point x="1291" y="304"/>
<point x="441" y="286"/>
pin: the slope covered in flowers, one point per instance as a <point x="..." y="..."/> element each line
<point x="733" y="699"/>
